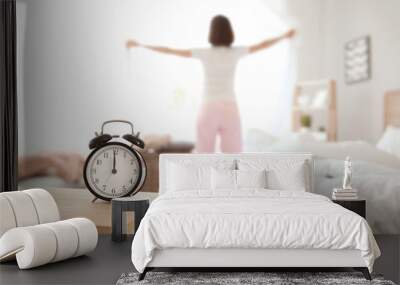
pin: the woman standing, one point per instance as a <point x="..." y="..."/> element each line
<point x="219" y="114"/>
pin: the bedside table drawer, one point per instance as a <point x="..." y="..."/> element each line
<point x="356" y="206"/>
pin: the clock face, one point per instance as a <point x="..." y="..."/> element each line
<point x="113" y="170"/>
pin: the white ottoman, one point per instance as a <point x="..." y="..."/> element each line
<point x="30" y="230"/>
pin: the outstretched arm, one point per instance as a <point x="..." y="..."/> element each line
<point x="270" y="42"/>
<point x="166" y="50"/>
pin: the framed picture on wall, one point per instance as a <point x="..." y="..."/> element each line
<point x="357" y="60"/>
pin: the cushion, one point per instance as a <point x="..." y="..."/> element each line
<point x="282" y="174"/>
<point x="228" y="179"/>
<point x="45" y="205"/>
<point x="67" y="237"/>
<point x="7" y="220"/>
<point x="23" y="208"/>
<point x="27" y="208"/>
<point x="31" y="233"/>
<point x="251" y="178"/>
<point x="223" y="179"/>
<point x="390" y="141"/>
<point x="183" y="177"/>
<point x="291" y="178"/>
<point x="40" y="244"/>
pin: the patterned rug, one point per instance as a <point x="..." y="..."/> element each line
<point x="269" y="278"/>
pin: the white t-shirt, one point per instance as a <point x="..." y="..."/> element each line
<point x="219" y="65"/>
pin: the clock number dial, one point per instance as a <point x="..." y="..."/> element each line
<point x="113" y="171"/>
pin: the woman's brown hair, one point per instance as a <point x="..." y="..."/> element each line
<point x="221" y="33"/>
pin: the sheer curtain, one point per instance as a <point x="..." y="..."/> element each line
<point x="264" y="80"/>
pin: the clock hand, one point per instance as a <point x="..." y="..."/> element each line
<point x="114" y="170"/>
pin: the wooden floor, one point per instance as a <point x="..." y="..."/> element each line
<point x="110" y="260"/>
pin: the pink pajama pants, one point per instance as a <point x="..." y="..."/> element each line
<point x="219" y="118"/>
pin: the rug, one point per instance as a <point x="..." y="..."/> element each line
<point x="268" y="278"/>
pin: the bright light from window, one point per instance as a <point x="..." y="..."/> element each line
<point x="172" y="86"/>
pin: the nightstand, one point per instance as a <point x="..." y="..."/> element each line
<point x="357" y="206"/>
<point x="119" y="222"/>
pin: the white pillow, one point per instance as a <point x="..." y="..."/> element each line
<point x="282" y="174"/>
<point x="390" y="141"/>
<point x="187" y="177"/>
<point x="223" y="179"/>
<point x="293" y="179"/>
<point x="251" y="178"/>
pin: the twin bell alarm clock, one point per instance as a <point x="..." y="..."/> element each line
<point x="115" y="168"/>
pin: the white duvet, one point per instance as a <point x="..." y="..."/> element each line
<point x="250" y="219"/>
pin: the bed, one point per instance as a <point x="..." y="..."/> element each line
<point x="376" y="168"/>
<point x="194" y="223"/>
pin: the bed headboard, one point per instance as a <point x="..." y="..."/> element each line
<point x="216" y="158"/>
<point x="392" y="108"/>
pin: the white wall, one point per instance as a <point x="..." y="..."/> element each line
<point x="71" y="64"/>
<point x="360" y="106"/>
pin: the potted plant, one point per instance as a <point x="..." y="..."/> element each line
<point x="305" y="122"/>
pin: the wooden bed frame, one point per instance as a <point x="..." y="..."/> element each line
<point x="392" y="108"/>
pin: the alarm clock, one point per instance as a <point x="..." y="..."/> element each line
<point x="115" y="168"/>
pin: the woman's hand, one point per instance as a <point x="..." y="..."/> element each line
<point x="132" y="44"/>
<point x="272" y="41"/>
<point x="289" y="34"/>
